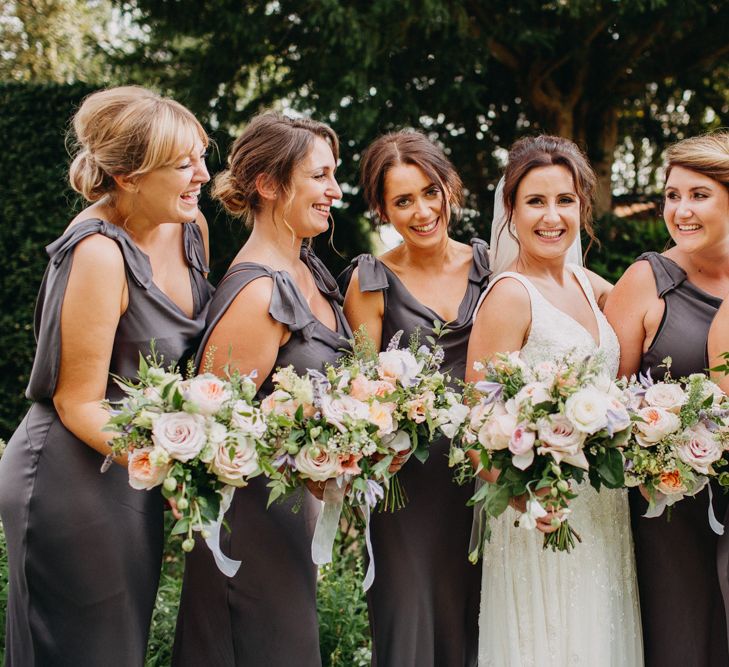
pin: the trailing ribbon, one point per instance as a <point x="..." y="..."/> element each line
<point x="328" y="521"/>
<point x="228" y="566"/>
<point x="716" y="526"/>
<point x="370" y="575"/>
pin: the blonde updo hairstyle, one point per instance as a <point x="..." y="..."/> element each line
<point x="272" y="144"/>
<point x="707" y="154"/>
<point x="127" y="131"/>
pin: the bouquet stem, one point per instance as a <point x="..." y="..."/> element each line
<point x="562" y="539"/>
<point x="395" y="496"/>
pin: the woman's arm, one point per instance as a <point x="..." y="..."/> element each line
<point x="364" y="308"/>
<point x="634" y="312"/>
<point x="718" y="344"/>
<point x="601" y="288"/>
<point x="96" y="297"/>
<point x="247" y="338"/>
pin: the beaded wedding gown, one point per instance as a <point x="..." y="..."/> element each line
<point x="544" y="608"/>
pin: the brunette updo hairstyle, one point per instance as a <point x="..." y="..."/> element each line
<point x="271" y="144"/>
<point x="127" y="131"/>
<point x="545" y="151"/>
<point x="707" y="154"/>
<point x="413" y="148"/>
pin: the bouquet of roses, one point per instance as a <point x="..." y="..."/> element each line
<point x="544" y="428"/>
<point x="349" y="428"/>
<point x="197" y="438"/>
<point x="681" y="431"/>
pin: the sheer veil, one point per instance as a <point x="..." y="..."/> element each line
<point x="504" y="247"/>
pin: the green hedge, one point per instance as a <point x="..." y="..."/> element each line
<point x="36" y="205"/>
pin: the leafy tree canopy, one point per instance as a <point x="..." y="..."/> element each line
<point x="474" y="74"/>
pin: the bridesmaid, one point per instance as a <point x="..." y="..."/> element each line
<point x="663" y="307"/>
<point x="424" y="602"/>
<point x="84" y="549"/>
<point x="276" y="306"/>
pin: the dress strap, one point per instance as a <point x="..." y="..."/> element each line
<point x="324" y="280"/>
<point x="136" y="261"/>
<point x="194" y="247"/>
<point x="480" y="270"/>
<point x="585" y="284"/>
<point x="534" y="293"/>
<point x="370" y="272"/>
<point x="668" y="275"/>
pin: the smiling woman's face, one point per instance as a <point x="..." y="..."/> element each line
<point x="546" y="212"/>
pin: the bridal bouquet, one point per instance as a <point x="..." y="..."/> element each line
<point x="544" y="428"/>
<point x="343" y="429"/>
<point x="681" y="431"/>
<point x="197" y="438"/>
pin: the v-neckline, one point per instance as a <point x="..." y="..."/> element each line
<point x="590" y="301"/>
<point x="438" y="317"/>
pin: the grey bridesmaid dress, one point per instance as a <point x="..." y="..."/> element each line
<point x="266" y="614"/>
<point x="424" y="602"/>
<point x="84" y="548"/>
<point x="683" y="614"/>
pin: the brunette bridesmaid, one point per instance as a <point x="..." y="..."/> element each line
<point x="663" y="307"/>
<point x="85" y="548"/>
<point x="424" y="602"/>
<point x="276" y="306"/>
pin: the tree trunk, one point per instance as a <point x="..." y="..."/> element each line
<point x="601" y="138"/>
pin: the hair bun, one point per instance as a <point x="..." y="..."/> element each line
<point x="88" y="178"/>
<point x="226" y="190"/>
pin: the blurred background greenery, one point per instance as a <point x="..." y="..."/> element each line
<point x="623" y="79"/>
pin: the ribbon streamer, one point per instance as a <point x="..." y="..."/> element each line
<point x="328" y="521"/>
<point x="716" y="526"/>
<point x="228" y="566"/>
<point x="370" y="575"/>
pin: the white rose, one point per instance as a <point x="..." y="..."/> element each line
<point x="398" y="365"/>
<point x="335" y="410"/>
<point x="235" y="460"/>
<point x="248" y="419"/>
<point x="657" y="424"/>
<point x="315" y="462"/>
<point x="496" y="432"/>
<point x="587" y="410"/>
<point x="181" y="434"/>
<point x="561" y="439"/>
<point x="143" y="473"/>
<point x="534" y="392"/>
<point x="397" y="442"/>
<point x="665" y="395"/>
<point x="699" y="448"/>
<point x="206" y="392"/>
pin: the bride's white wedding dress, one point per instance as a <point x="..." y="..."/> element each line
<point x="546" y="608"/>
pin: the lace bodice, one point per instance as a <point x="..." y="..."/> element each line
<point x="554" y="333"/>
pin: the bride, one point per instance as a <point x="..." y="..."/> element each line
<point x="540" y="607"/>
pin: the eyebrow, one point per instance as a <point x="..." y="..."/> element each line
<point x="410" y="194"/>
<point x="541" y="194"/>
<point x="695" y="187"/>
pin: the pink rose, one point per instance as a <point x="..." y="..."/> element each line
<point x="143" y="474"/>
<point x="657" y="424"/>
<point x="497" y="431"/>
<point x="206" y="392"/>
<point x="317" y="463"/>
<point x="181" y="434"/>
<point x="562" y="440"/>
<point x="235" y="460"/>
<point x="521" y="445"/>
<point x="699" y="448"/>
<point x="418" y="408"/>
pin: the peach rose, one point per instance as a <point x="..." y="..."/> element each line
<point x="143" y="474"/>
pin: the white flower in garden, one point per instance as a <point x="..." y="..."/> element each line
<point x="665" y="395"/>
<point x="587" y="410"/>
<point x="206" y="392"/>
<point x="181" y="434"/>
